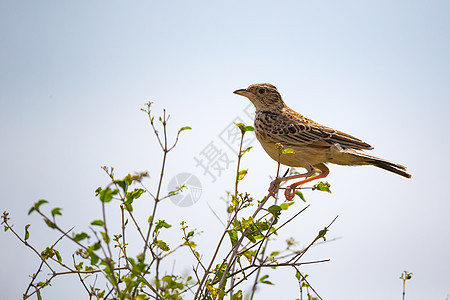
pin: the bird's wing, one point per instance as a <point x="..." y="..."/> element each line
<point x="294" y="129"/>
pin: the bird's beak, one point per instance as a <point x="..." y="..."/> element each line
<point x="243" y="92"/>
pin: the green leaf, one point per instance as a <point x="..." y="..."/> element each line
<point x="40" y="202"/>
<point x="101" y="294"/>
<point x="241" y="175"/>
<point x="131" y="196"/>
<point x="140" y="257"/>
<point x="178" y="190"/>
<point x="300" y="194"/>
<point x="322" y="186"/>
<point x="95" y="247"/>
<point x="274" y="253"/>
<point x="263" y="280"/>
<point x="162" y="245"/>
<point x="249" y="254"/>
<point x="184" y="128"/>
<point x="297" y="275"/>
<point x="171" y="283"/>
<point x="107" y="194"/>
<point x="49" y="223"/>
<point x="123" y="184"/>
<point x="132" y="261"/>
<point x="246" y="150"/>
<point x="244" y="128"/>
<point x="80" y="236"/>
<point x="233" y="237"/>
<point x="275" y="210"/>
<point x="105" y="237"/>
<point x="237" y="295"/>
<point x="252" y="238"/>
<point x="191" y="244"/>
<point x="287" y="151"/>
<point x="56" y="211"/>
<point x="91" y="251"/>
<point x="286" y="205"/>
<point x="190" y="233"/>
<point x="128" y="205"/>
<point x="162" y="223"/>
<point x="27" y="234"/>
<point x="234" y="201"/>
<point x="94" y="259"/>
<point x="250" y="231"/>
<point x="322" y="233"/>
<point x="135" y="194"/>
<point x="282" y="150"/>
<point x="58" y="256"/>
<point x="47" y="253"/>
<point x="241" y="127"/>
<point x="79" y="266"/>
<point x="37" y="205"/>
<point x="150" y="219"/>
<point x="97" y="223"/>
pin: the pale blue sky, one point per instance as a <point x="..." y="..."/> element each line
<point x="73" y="76"/>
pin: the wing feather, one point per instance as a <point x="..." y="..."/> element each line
<point x="295" y="128"/>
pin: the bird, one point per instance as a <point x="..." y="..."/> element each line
<point x="314" y="145"/>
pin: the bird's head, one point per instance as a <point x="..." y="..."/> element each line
<point x="264" y="96"/>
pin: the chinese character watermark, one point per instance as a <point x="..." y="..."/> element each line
<point x="214" y="158"/>
<point x="213" y="161"/>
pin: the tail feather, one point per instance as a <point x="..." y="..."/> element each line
<point x="394" y="168"/>
<point x="380" y="163"/>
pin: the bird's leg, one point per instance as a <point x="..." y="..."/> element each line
<point x="290" y="190"/>
<point x="275" y="184"/>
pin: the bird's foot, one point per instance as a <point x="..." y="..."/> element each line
<point x="274" y="187"/>
<point x="289" y="192"/>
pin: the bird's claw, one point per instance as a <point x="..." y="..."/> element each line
<point x="289" y="193"/>
<point x="274" y="187"/>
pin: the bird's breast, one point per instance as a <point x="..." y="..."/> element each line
<point x="303" y="156"/>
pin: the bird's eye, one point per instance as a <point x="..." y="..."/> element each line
<point x="261" y="91"/>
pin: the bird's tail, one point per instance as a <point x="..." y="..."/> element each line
<point x="382" y="163"/>
<point x="392" y="167"/>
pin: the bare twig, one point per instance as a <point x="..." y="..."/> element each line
<point x="304" y="278"/>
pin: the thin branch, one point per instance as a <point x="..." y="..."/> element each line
<point x="26" y="244"/>
<point x="239" y="242"/>
<point x="79" y="277"/>
<point x="109" y="258"/>
<point x="165" y="152"/>
<point x="124" y="244"/>
<point x="304" y="278"/>
<point x="299" y="255"/>
<point x="275" y="265"/>
<point x="215" y="214"/>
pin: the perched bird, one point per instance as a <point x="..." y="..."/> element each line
<point x="314" y="145"/>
